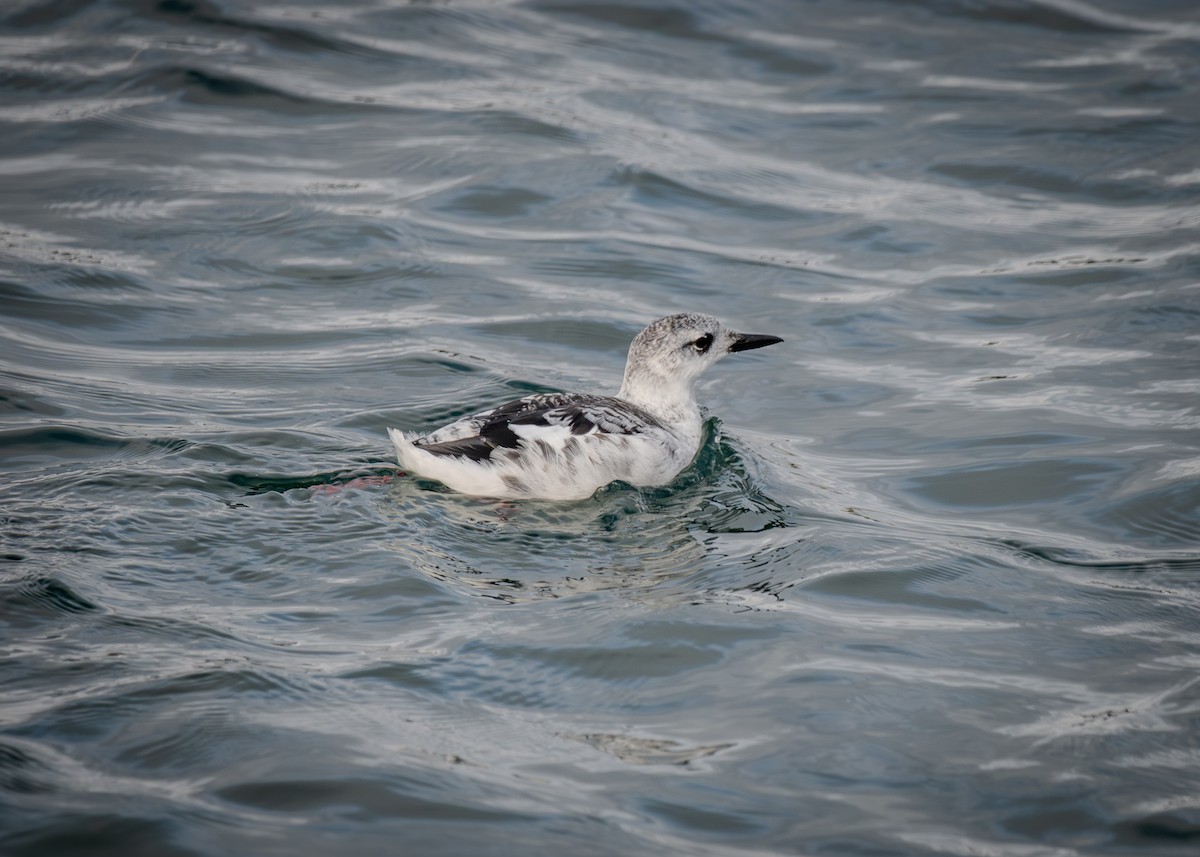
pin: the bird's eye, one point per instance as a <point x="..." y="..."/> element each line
<point x="703" y="343"/>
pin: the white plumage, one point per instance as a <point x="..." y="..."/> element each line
<point x="564" y="446"/>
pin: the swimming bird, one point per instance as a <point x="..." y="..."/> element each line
<point x="564" y="446"/>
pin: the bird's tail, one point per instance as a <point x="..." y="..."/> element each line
<point x="404" y="448"/>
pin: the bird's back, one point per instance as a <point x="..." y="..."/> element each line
<point x="549" y="445"/>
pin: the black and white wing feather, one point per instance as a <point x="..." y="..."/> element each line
<point x="551" y="418"/>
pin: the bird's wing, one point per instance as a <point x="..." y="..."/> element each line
<point x="547" y="418"/>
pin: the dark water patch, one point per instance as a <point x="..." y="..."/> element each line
<point x="1081" y="20"/>
<point x="776" y="60"/>
<point x="73" y="671"/>
<point x="1063" y="821"/>
<point x="209" y="740"/>
<point x="770" y="571"/>
<point x="27" y="401"/>
<point x="1165" y="518"/>
<point x="1166" y="131"/>
<point x="1076" y="272"/>
<point x="527" y="551"/>
<point x="196" y="15"/>
<point x="495" y="203"/>
<point x="1157" y="829"/>
<point x="576" y="333"/>
<point x="48" y="12"/>
<point x="312" y="348"/>
<point x="524" y="388"/>
<point x="210" y="88"/>
<point x="344" y="276"/>
<point x="210" y="682"/>
<point x="328" y="483"/>
<point x="1167" y="315"/>
<point x="662" y="658"/>
<point x="896" y="586"/>
<point x="731" y="501"/>
<point x="1000" y="484"/>
<point x="21" y="770"/>
<point x="737" y="512"/>
<point x="653" y="189"/>
<point x="410" y="676"/>
<point x="849" y="394"/>
<point x="397" y="595"/>
<point x="659" y="21"/>
<point x="31" y="601"/>
<point x="621" y="265"/>
<point x="880" y="239"/>
<point x="51" y="311"/>
<point x="1084" y="559"/>
<point x="125" y="626"/>
<point x="701" y="819"/>
<point x="362" y="799"/>
<point x="54" y="441"/>
<point x="601" y="674"/>
<point x="1023" y="177"/>
<point x="75" y="835"/>
<point x="90" y="287"/>
<point x="1014" y="444"/>
<point x="476" y="572"/>
<point x="448" y="364"/>
<point x="649" y="751"/>
<point x="57" y="443"/>
<point x="106" y="714"/>
<point x="474" y="29"/>
<point x="506" y="122"/>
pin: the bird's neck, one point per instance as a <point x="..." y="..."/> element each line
<point x="668" y="400"/>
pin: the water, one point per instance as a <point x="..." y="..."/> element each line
<point x="930" y="588"/>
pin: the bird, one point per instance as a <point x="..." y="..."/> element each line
<point x="566" y="446"/>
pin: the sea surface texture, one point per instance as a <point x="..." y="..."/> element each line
<point x="931" y="586"/>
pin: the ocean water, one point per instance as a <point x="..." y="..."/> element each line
<point x="931" y="587"/>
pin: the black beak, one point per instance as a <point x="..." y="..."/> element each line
<point x="746" y="341"/>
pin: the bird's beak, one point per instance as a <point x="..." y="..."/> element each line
<point x="746" y="341"/>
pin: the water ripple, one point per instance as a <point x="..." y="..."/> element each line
<point x="928" y="588"/>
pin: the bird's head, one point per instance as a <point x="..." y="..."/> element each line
<point x="667" y="357"/>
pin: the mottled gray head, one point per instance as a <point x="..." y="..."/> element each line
<point x="666" y="357"/>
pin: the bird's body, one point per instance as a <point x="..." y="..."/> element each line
<point x="564" y="446"/>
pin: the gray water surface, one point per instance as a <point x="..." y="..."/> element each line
<point x="931" y="586"/>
